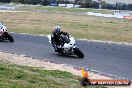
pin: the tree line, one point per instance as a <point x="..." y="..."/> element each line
<point x="83" y="3"/>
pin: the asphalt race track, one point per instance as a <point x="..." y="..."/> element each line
<point x="110" y="58"/>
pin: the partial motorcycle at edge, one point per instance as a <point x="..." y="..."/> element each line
<point x="4" y="35"/>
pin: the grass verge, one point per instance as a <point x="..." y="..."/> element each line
<point x="80" y="26"/>
<point x="14" y="76"/>
<point x="88" y="27"/>
<point x="64" y="9"/>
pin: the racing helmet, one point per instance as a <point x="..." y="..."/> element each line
<point x="57" y="29"/>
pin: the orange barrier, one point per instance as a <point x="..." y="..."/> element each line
<point x="85" y="81"/>
<point x="84" y="73"/>
<point x="128" y="17"/>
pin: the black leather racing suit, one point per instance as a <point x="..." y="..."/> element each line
<point x="56" y="39"/>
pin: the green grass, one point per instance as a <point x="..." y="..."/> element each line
<point x="13" y="76"/>
<point x="64" y="9"/>
<point x="80" y="26"/>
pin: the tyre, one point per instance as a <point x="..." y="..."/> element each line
<point x="78" y="52"/>
<point x="10" y="38"/>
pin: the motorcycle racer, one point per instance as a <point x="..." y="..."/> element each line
<point x="63" y="43"/>
<point x="2" y="27"/>
<point x="56" y="37"/>
<point x="4" y="35"/>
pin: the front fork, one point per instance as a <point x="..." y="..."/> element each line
<point x="72" y="49"/>
<point x="3" y="36"/>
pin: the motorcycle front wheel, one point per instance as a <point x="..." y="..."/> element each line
<point x="78" y="52"/>
<point x="9" y="37"/>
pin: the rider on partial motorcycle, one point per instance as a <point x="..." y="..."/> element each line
<point x="56" y="40"/>
<point x="1" y="27"/>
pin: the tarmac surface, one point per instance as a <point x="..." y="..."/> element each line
<point x="105" y="57"/>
